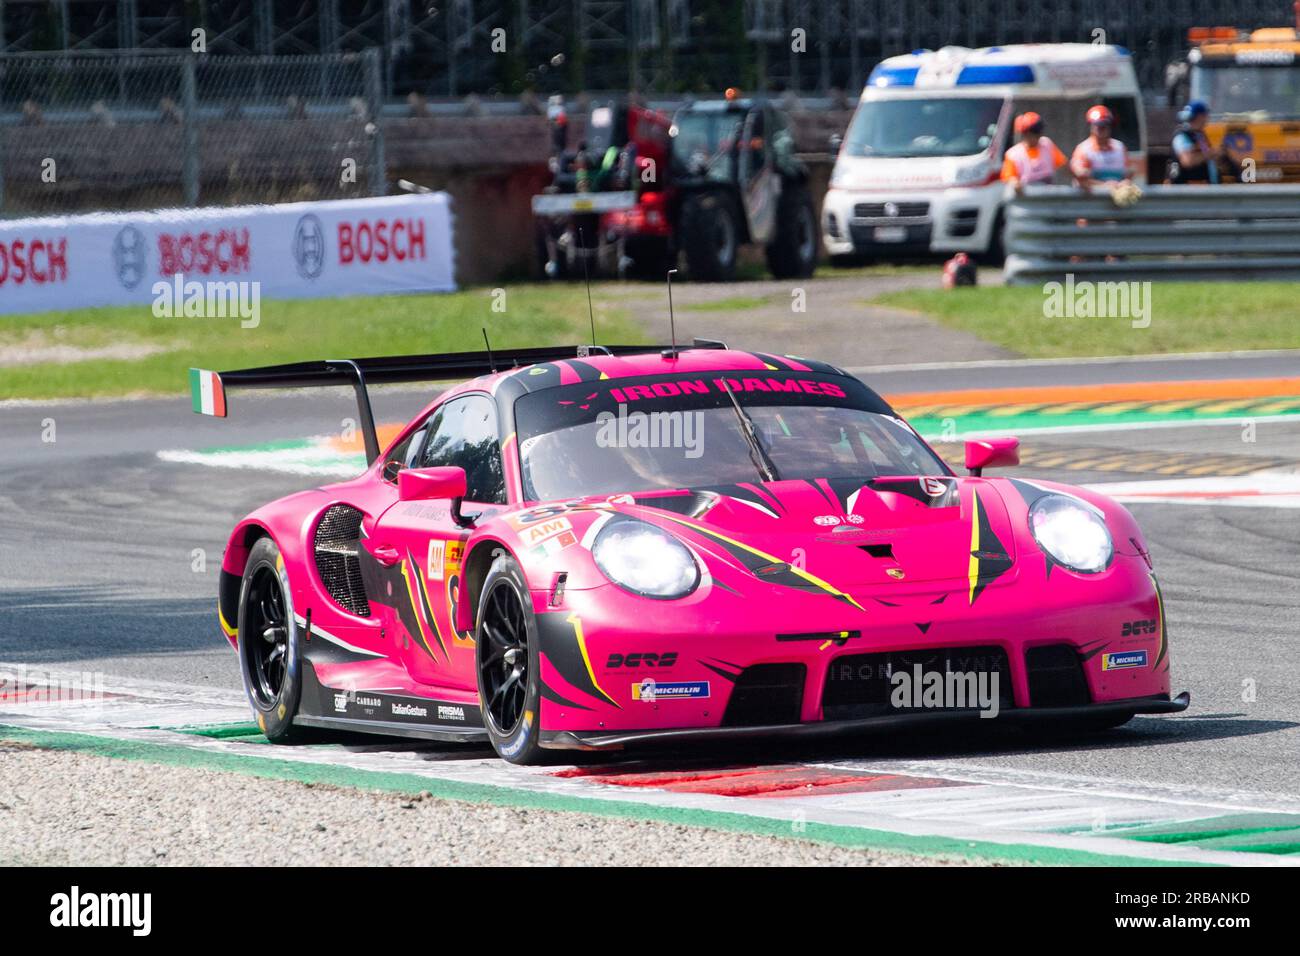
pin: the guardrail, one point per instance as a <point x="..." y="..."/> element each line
<point x="1231" y="232"/>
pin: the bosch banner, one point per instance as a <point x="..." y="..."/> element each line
<point x="293" y="251"/>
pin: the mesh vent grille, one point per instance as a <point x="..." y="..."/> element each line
<point x="336" y="544"/>
<point x="877" y="210"/>
<point x="1056" y="677"/>
<point x="766" y="694"/>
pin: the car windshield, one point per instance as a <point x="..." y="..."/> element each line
<point x="1264" y="90"/>
<point x="907" y="127"/>
<point x="659" y="432"/>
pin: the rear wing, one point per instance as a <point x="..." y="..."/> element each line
<point x="208" y="389"/>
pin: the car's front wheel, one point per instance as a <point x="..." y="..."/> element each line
<point x="269" y="651"/>
<point x="507" y="664"/>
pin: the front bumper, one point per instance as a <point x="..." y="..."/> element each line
<point x="592" y="740"/>
<point x="865" y="223"/>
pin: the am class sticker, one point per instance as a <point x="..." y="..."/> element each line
<point x="437" y="559"/>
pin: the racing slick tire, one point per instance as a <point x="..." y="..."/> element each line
<point x="792" y="253"/>
<point x="710" y="236"/>
<point x="506" y="663"/>
<point x="270" y="655"/>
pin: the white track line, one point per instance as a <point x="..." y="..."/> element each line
<point x="1000" y="805"/>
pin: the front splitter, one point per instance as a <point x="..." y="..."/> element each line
<point x="599" y="740"/>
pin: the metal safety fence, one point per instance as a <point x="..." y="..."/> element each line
<point x="454" y="47"/>
<point x="1222" y="233"/>
<point x="137" y="130"/>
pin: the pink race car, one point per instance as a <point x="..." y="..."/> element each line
<point x="603" y="546"/>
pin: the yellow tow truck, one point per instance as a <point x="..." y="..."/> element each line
<point x="1251" y="82"/>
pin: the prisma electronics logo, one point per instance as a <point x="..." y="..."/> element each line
<point x="75" y="909"/>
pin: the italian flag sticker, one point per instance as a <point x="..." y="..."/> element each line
<point x="207" y="395"/>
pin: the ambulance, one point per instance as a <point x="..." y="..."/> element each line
<point x="918" y="169"/>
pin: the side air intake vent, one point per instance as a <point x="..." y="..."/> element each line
<point x="336" y="544"/>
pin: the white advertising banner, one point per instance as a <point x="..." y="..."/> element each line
<point x="293" y="251"/>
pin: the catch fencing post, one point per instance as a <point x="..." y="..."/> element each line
<point x="374" y="129"/>
<point x="190" y="132"/>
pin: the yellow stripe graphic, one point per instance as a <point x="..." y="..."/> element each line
<point x="810" y="578"/>
<point x="973" y="571"/>
<point x="410" y="591"/>
<point x="433" y="620"/>
<point x="586" y="659"/>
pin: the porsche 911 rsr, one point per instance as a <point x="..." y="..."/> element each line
<point x="602" y="547"/>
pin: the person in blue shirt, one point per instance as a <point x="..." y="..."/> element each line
<point x="1194" y="159"/>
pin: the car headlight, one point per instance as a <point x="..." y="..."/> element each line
<point x="1073" y="534"/>
<point x="645" y="560"/>
<point x="971" y="175"/>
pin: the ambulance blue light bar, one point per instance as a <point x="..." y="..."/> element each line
<point x="893" y="76"/>
<point x="987" y="73"/>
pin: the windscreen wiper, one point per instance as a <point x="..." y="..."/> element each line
<point x="757" y="454"/>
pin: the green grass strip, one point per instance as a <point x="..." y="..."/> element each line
<point x="1184" y="317"/>
<point x="302" y="772"/>
<point x="292" y="330"/>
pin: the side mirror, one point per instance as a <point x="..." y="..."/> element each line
<point x="424" y="484"/>
<point x="991" y="453"/>
<point x="835" y="141"/>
